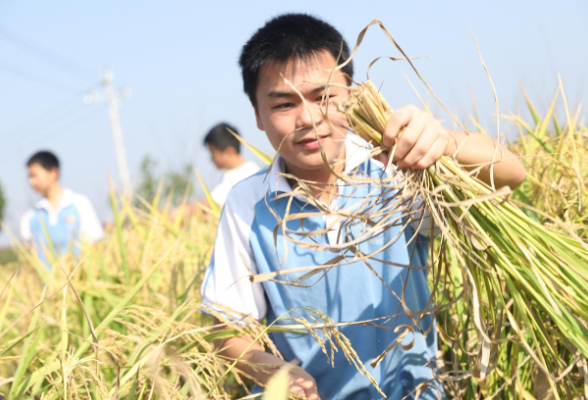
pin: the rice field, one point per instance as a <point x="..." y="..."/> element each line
<point x="122" y="321"/>
<point x="119" y="323"/>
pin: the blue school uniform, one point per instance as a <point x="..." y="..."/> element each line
<point x="250" y="241"/>
<point x="72" y="221"/>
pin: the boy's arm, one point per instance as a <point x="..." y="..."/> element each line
<point x="479" y="148"/>
<point x="226" y="285"/>
<point x="423" y="141"/>
<point x="261" y="365"/>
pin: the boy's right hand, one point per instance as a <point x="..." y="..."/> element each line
<point x="302" y="384"/>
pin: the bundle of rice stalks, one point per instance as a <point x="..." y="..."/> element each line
<point x="554" y="154"/>
<point x="516" y="272"/>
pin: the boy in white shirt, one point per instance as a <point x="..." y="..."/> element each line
<point x="225" y="152"/>
<point x="61" y="215"/>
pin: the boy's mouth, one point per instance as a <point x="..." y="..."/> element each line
<point x="312" y="143"/>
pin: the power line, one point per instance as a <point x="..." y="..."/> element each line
<point x="60" y="129"/>
<point x="63" y="124"/>
<point x="47" y="115"/>
<point x="49" y="56"/>
<point x="35" y="78"/>
<point x="75" y="99"/>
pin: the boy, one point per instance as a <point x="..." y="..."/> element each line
<point x="225" y="151"/>
<point x="67" y="217"/>
<point x="303" y="50"/>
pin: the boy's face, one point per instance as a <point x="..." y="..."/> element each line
<point x="222" y="158"/>
<point x="281" y="113"/>
<point x="42" y="179"/>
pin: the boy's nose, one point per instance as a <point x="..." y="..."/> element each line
<point x="307" y="115"/>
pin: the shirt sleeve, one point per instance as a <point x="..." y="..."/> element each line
<point x="220" y="192"/>
<point x="90" y="226"/>
<point x="226" y="282"/>
<point x="25" y="225"/>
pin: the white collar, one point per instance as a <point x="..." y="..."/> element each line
<point x="67" y="198"/>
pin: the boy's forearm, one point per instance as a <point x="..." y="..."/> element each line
<point x="478" y="149"/>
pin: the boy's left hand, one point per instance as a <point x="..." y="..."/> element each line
<point x="422" y="142"/>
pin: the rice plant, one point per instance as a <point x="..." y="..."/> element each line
<point x="122" y="322"/>
<point x="556" y="159"/>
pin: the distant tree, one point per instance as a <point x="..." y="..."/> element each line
<point x="148" y="183"/>
<point x="175" y="183"/>
<point x="178" y="182"/>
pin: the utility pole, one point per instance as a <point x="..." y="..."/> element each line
<point x="112" y="101"/>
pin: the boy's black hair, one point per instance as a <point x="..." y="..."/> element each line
<point x="45" y="159"/>
<point x="286" y="36"/>
<point x="220" y="137"/>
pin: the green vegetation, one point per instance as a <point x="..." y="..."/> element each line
<point x="176" y="184"/>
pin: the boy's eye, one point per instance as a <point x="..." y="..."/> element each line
<point x="283" y="106"/>
<point x="320" y="98"/>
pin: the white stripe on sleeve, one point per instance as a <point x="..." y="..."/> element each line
<point x="226" y="282"/>
<point x="25" y="225"/>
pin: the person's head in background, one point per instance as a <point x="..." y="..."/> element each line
<point x="43" y="171"/>
<point x="225" y="149"/>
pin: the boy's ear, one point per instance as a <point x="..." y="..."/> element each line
<point x="258" y="120"/>
<point x="231" y="150"/>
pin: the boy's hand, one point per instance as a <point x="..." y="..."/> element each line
<point x="422" y="142"/>
<point x="302" y="384"/>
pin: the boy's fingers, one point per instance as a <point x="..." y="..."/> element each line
<point x="420" y="149"/>
<point x="383" y="158"/>
<point x="303" y="384"/>
<point x="435" y="152"/>
<point x="410" y="136"/>
<point x="312" y="393"/>
<point x="399" y="119"/>
<point x="297" y="388"/>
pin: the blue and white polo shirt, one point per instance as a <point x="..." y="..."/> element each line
<point x="74" y="220"/>
<point x="250" y="241"/>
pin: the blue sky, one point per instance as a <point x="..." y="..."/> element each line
<point x="180" y="60"/>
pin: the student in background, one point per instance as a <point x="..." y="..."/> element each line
<point x="61" y="214"/>
<point x="225" y="151"/>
